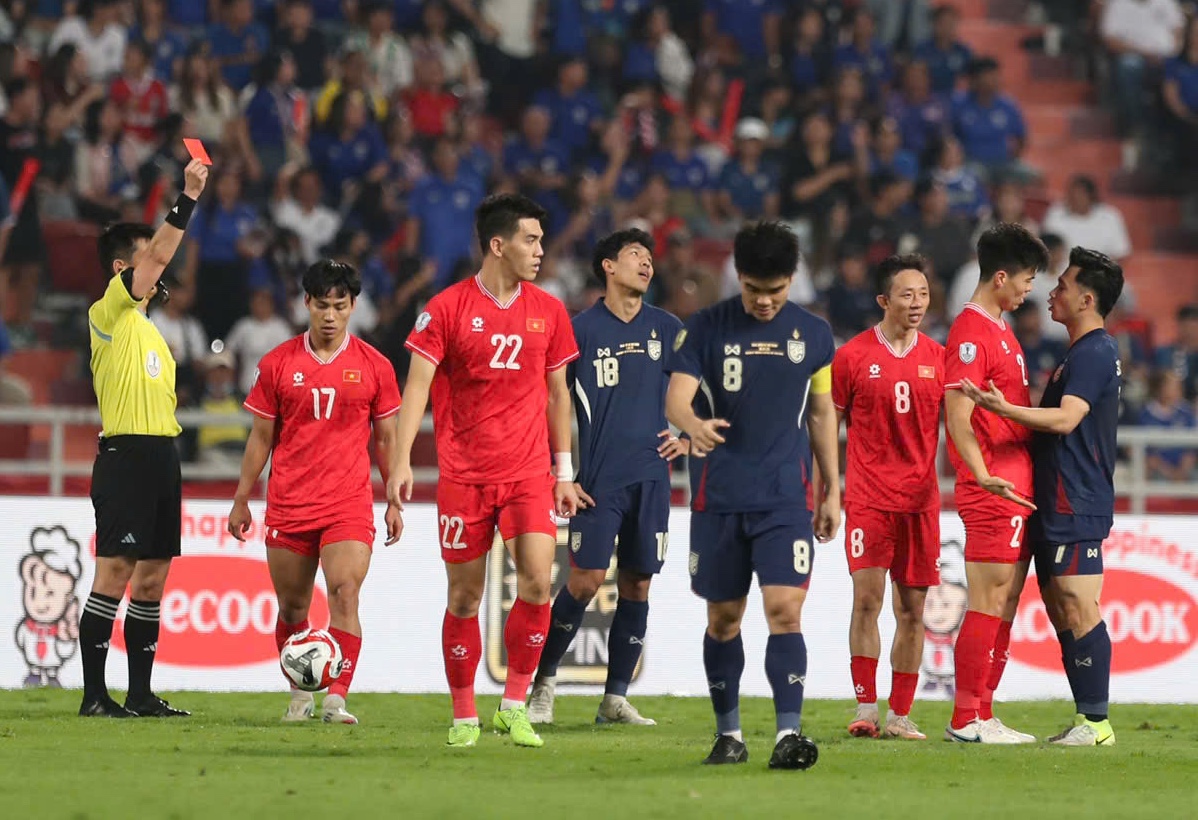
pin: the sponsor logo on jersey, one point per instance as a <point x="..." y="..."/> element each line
<point x="535" y="325"/>
<point x="796" y="350"/>
<point x="875" y="371"/>
<point x="153" y="364"/>
<point x="422" y="321"/>
<point x="586" y="661"/>
<point x="967" y="352"/>
<point x="297" y="379"/>
<point x="927" y="371"/>
<point x="476" y="324"/>
<point x="351" y="376"/>
<point x="219" y="611"/>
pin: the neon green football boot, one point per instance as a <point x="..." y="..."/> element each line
<point x="515" y="722"/>
<point x="463" y="735"/>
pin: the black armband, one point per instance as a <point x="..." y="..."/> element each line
<point x="180" y="213"/>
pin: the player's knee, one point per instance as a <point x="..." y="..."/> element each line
<point x="634" y="587"/>
<point x="534" y="589"/>
<point x="146" y="589"/>
<point x="464" y="602"/>
<point x="867" y="604"/>
<point x="584" y="584"/>
<point x="723" y="622"/>
<point x="784" y="617"/>
<point x="343" y="596"/>
<point x="293" y="610"/>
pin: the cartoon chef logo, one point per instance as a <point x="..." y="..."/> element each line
<point x="48" y="635"/>
<point x="943" y="612"/>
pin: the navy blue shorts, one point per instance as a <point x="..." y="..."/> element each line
<point x="1061" y="560"/>
<point x="727" y="548"/>
<point x="632" y="522"/>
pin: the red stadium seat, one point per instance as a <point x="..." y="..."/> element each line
<point x="74" y="267"/>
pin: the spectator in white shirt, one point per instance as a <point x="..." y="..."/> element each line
<point x="1081" y="219"/>
<point x="298" y="207"/>
<point x="389" y="56"/>
<point x="253" y="336"/>
<point x="101" y="39"/>
<point x="1140" y="35"/>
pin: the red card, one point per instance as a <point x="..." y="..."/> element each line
<point x="197" y="151"/>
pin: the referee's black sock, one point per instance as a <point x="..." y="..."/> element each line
<point x="95" y="631"/>
<point x="141" y="642"/>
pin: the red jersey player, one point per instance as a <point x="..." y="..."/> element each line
<point x="993" y="461"/>
<point x="316" y="398"/>
<point x="888" y="387"/>
<point x="141" y="97"/>
<point x="493" y="349"/>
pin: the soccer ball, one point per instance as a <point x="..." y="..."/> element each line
<point x="311" y="659"/>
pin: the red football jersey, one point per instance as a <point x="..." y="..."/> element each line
<point x="320" y="464"/>
<point x="143" y="102"/>
<point x="490" y="393"/>
<point x="891" y="404"/>
<point x="984" y="349"/>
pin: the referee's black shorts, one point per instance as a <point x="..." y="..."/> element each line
<point x="137" y="492"/>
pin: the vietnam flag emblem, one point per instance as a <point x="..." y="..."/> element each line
<point x="351" y="376"/>
<point x="536" y="325"/>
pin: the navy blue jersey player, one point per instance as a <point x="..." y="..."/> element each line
<point x="1073" y="454"/>
<point x="623" y="482"/>
<point x="751" y="386"/>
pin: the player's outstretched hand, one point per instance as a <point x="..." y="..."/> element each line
<point x="399" y="486"/>
<point x="673" y="446"/>
<point x="1004" y="489"/>
<point x="707" y="436"/>
<point x="991" y="399"/>
<point x="394" y="520"/>
<point x="565" y="499"/>
<point x="240" y="519"/>
<point x="827" y="520"/>
<point x="195" y="177"/>
<point x="584" y="500"/>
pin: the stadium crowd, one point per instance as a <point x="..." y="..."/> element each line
<point x="368" y="131"/>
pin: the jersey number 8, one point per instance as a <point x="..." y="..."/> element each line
<point x="733" y="374"/>
<point x="902" y="397"/>
<point x="802" y="557"/>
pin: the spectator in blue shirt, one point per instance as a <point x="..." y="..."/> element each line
<point x="574" y="111"/>
<point x="166" y="45"/>
<point x="268" y="114"/>
<point x="441" y="224"/>
<point x="1041" y="354"/>
<point x="612" y="18"/>
<point x="691" y="187"/>
<point x="863" y="51"/>
<point x="351" y="153"/>
<point x="966" y="192"/>
<point x="1180" y="94"/>
<point x="748" y="185"/>
<point x="540" y="165"/>
<point x="852" y="299"/>
<point x="408" y="14"/>
<point x="237" y="42"/>
<point x="188" y="13"/>
<point x="755" y="25"/>
<point x="946" y="56"/>
<point x="989" y="123"/>
<point x="923" y="117"/>
<point x="1182" y="356"/>
<point x="567" y="28"/>
<point x="887" y="151"/>
<point x="1168" y="410"/>
<point x="811" y="62"/>
<point x="847" y="109"/>
<point x="221" y="240"/>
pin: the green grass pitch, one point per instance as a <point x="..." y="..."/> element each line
<point x="233" y="759"/>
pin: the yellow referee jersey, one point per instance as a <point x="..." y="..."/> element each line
<point x="132" y="368"/>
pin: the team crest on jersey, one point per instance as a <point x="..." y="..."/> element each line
<point x="1056" y="376"/>
<point x="153" y="364"/>
<point x="968" y="351"/>
<point x="654" y="348"/>
<point x="693" y="563"/>
<point x="796" y="350"/>
<point x="422" y="321"/>
<point x="575" y="541"/>
<point x="679" y="339"/>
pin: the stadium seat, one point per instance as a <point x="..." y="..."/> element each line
<point x="73" y="265"/>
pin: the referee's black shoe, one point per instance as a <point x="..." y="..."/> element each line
<point x="103" y="707"/>
<point x="727" y="749"/>
<point x="154" y="706"/>
<point x="794" y="751"/>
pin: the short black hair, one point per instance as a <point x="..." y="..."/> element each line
<point x="765" y="250"/>
<point x="1087" y="183"/>
<point x="891" y="266"/>
<point x="142" y="47"/>
<point x="1010" y="247"/>
<point x="1053" y="241"/>
<point x="118" y="242"/>
<point x="609" y="247"/>
<point x="1099" y="274"/>
<point x="500" y="215"/>
<point x="327" y="276"/>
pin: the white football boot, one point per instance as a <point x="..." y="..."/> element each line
<point x="333" y="711"/>
<point x="302" y="707"/>
<point x="540" y="702"/>
<point x="617" y="709"/>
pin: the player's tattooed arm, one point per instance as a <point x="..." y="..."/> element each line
<point x="704" y="433"/>
<point x="1061" y="420"/>
<point x="411" y="413"/>
<point x="257" y="451"/>
<point x="824" y="432"/>
<point x="958" y="415"/>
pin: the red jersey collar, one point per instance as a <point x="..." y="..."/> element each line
<point x="336" y="353"/>
<point x="975" y="306"/>
<point x="886" y="342"/>
<point x="478" y="280"/>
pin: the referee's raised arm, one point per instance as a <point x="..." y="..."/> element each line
<point x="137" y="484"/>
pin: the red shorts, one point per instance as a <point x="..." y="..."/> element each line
<point x="311" y="542"/>
<point x="469" y="513"/>
<point x="905" y="543"/>
<point x="996" y="536"/>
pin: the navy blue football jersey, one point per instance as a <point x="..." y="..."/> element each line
<point x="757" y="376"/>
<point x="619" y="384"/>
<point x="1074" y="474"/>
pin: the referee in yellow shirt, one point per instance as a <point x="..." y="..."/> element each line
<point x="137" y="489"/>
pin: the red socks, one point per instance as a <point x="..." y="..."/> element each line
<point x="865" y="673"/>
<point x="462" y="648"/>
<point x="902" y="692"/>
<point x="524" y="638"/>
<point x="975" y="642"/>
<point x="998" y="665"/>
<point x="351" y="645"/>
<point x="284" y="630"/>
